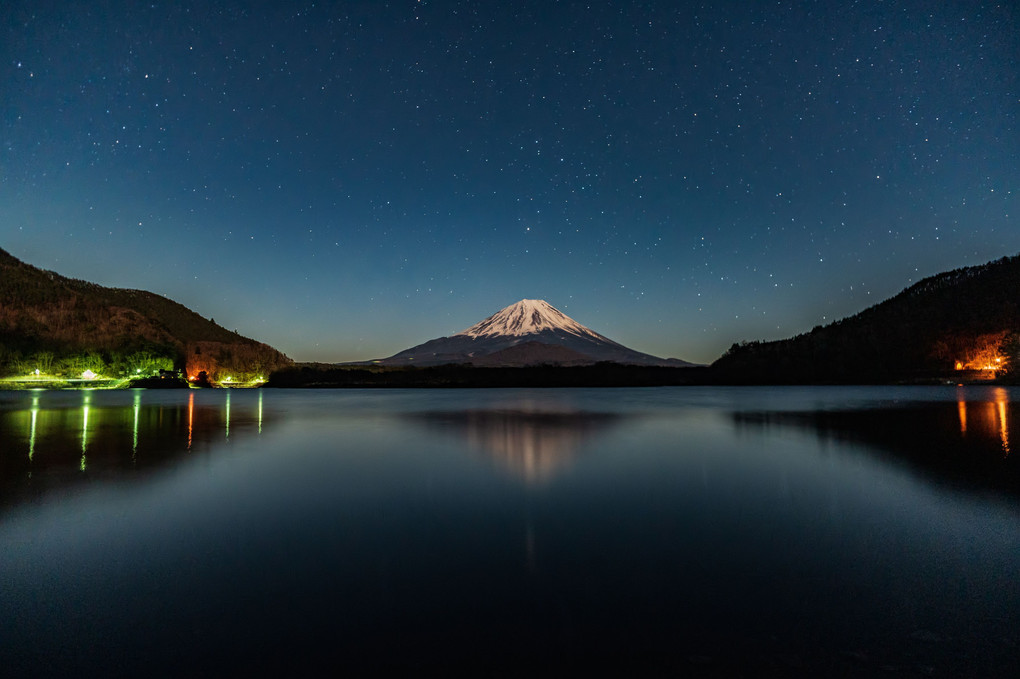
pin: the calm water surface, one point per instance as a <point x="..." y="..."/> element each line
<point x="690" y="531"/>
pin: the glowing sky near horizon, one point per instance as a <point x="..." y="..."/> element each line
<point x="345" y="180"/>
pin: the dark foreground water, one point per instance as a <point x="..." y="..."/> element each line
<point x="684" y="531"/>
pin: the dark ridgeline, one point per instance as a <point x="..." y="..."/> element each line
<point x="962" y="316"/>
<point x="604" y="374"/>
<point x="66" y="325"/>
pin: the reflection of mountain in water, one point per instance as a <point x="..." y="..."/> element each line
<point x="964" y="443"/>
<point x="531" y="445"/>
<point x="56" y="442"/>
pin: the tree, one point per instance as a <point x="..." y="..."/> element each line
<point x="1009" y="350"/>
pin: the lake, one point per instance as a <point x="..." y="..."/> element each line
<point x="698" y="531"/>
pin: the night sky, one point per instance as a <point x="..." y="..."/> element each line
<point x="345" y="180"/>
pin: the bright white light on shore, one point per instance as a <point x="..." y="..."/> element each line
<point x="88" y="375"/>
<point x="37" y="372"/>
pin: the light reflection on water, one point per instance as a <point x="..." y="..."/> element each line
<point x="85" y="427"/>
<point x="531" y="445"/>
<point x="993" y="414"/>
<point x="1001" y="401"/>
<point x="690" y="531"/>
<point x="107" y="433"/>
<point x="35" y="418"/>
<point x="136" y="407"/>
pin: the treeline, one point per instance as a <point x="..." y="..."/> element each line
<point x="240" y="361"/>
<point x="960" y="315"/>
<point x="598" y="375"/>
<point x="71" y="363"/>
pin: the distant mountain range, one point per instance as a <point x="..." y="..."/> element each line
<point x="65" y="326"/>
<point x="963" y="320"/>
<point x="530" y="332"/>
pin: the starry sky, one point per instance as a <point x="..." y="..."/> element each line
<point x="343" y="180"/>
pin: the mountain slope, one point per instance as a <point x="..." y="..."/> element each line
<point x="551" y="337"/>
<point x="959" y="318"/>
<point x="44" y="315"/>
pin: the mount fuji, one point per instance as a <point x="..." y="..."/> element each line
<point x="530" y="332"/>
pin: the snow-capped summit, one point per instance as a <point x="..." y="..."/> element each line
<point x="527" y="317"/>
<point x="530" y="332"/>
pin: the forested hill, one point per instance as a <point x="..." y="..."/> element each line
<point x="967" y="318"/>
<point x="67" y="325"/>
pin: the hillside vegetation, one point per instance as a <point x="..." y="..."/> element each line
<point x="968" y="319"/>
<point x="64" y="326"/>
